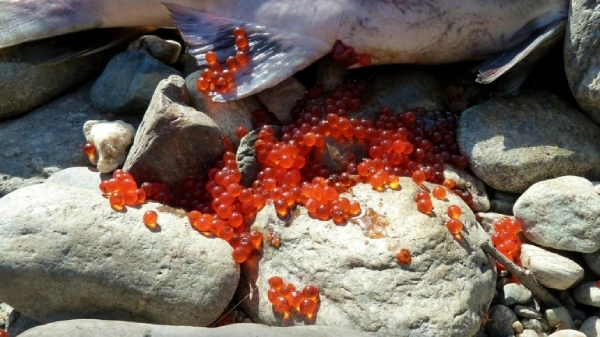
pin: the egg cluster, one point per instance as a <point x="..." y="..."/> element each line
<point x="285" y="298"/>
<point x="122" y="190"/>
<point x="506" y="239"/>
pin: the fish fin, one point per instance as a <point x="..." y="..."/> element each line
<point x="490" y="70"/>
<point x="273" y="54"/>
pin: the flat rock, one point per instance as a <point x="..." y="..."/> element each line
<point x="66" y="254"/>
<point x="174" y="141"/>
<point x="550" y="269"/>
<point x="467" y="182"/>
<point x="561" y="213"/>
<point x="588" y="293"/>
<point x="92" y="328"/>
<point x="515" y="142"/>
<point x="581" y="54"/>
<point x="363" y="287"/>
<point x="46" y="140"/>
<point x="514" y="293"/>
<point x="127" y="84"/>
<point x="526" y="312"/>
<point x="591" y="327"/>
<point x="501" y="319"/>
<point x="281" y="98"/>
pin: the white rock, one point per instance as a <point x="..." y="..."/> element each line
<point x="517" y="326"/>
<point x="567" y="333"/>
<point x="550" y="269"/>
<point x="528" y="333"/>
<point x="111" y="140"/>
<point x="591" y="326"/>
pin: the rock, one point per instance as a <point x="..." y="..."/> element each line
<point x="336" y="153"/>
<point x="228" y="116"/>
<point x="465" y="181"/>
<point x="550" y="269"/>
<point x="19" y="323"/>
<point x="503" y="202"/>
<point x="127" y="83"/>
<point x="487" y="220"/>
<point x="362" y="285"/>
<point x="166" y="51"/>
<point x="25" y="86"/>
<point x="78" y="177"/>
<point x="111" y="140"/>
<point x="501" y="321"/>
<point x="330" y="74"/>
<point x="532" y="324"/>
<point x="591" y="327"/>
<point x="517" y="327"/>
<point x="593" y="261"/>
<point x="174" y="141"/>
<point x="559" y="315"/>
<point x="281" y="98"/>
<point x="66" y="254"/>
<point x="528" y="333"/>
<point x="246" y="156"/>
<point x="581" y="55"/>
<point x="526" y="312"/>
<point x="567" y="333"/>
<point x="514" y="293"/>
<point x="561" y="213"/>
<point x="588" y="293"/>
<point x="596" y="186"/>
<point x="515" y="142"/>
<point x="92" y="328"/>
<point x="45" y="141"/>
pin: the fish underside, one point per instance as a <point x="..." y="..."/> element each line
<point x="286" y="36"/>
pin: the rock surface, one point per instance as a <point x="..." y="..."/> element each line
<point x="79" y="177"/>
<point x="127" y="84"/>
<point x="467" y="182"/>
<point x="567" y="333"/>
<point x="111" y="140"/>
<point x="362" y="284"/>
<point x="514" y="293"/>
<point x="588" y="293"/>
<point x="561" y="213"/>
<point x="515" y="142"/>
<point x="591" y="327"/>
<point x="550" y="269"/>
<point x="593" y="261"/>
<point x="281" y="98"/>
<point x="501" y="319"/>
<point x="174" y="141"/>
<point x="581" y="54"/>
<point x="166" y="51"/>
<point x="559" y="316"/>
<point x="67" y="254"/>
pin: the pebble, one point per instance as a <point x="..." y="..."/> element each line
<point x="528" y="333"/>
<point x="111" y="140"/>
<point x="588" y="293"/>
<point x="166" y="51"/>
<point x="527" y="312"/>
<point x="550" y="269"/>
<point x="559" y="315"/>
<point x="532" y="324"/>
<point x="501" y="321"/>
<point x="465" y="181"/>
<point x="517" y="326"/>
<point x="567" y="333"/>
<point x="281" y="98"/>
<point x="514" y="293"/>
<point x="561" y="213"/>
<point x="246" y="156"/>
<point x="591" y="326"/>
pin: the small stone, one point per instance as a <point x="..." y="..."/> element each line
<point x="567" y="333"/>
<point x="281" y="98"/>
<point x="465" y="181"/>
<point x="527" y="312"/>
<point x="528" y="333"/>
<point x="166" y="51"/>
<point x="514" y="293"/>
<point x="591" y="326"/>
<point x="246" y="156"/>
<point x="532" y="324"/>
<point x="517" y="326"/>
<point x="550" y="269"/>
<point x="558" y="315"/>
<point x="500" y="321"/>
<point x="588" y="293"/>
<point x="111" y="139"/>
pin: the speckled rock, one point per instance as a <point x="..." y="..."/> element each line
<point x="561" y="213"/>
<point x="362" y="285"/>
<point x="515" y="142"/>
<point x="465" y="181"/>
<point x="591" y="327"/>
<point x="550" y="269"/>
<point x="166" y="51"/>
<point x="514" y="293"/>
<point x="588" y="293"/>
<point x="81" y="259"/>
<point x="501" y="319"/>
<point x="281" y="98"/>
<point x="582" y="62"/>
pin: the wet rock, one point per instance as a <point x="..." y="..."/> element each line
<point x="561" y="213"/>
<point x="228" y="116"/>
<point x="526" y="312"/>
<point x="362" y="284"/>
<point x="588" y="293"/>
<point x="513" y="293"/>
<point x="581" y="55"/>
<point x="559" y="315"/>
<point x="591" y="327"/>
<point x="501" y="321"/>
<point x="515" y="142"/>
<point x="92" y="328"/>
<point x="330" y="74"/>
<point x="166" y="51"/>
<point x="465" y="181"/>
<point x="550" y="269"/>
<point x="127" y="84"/>
<point x="174" y="141"/>
<point x="281" y="98"/>
<point x="66" y="254"/>
<point x="111" y="140"/>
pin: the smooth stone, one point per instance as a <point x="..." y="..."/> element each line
<point x="532" y="324"/>
<point x="581" y="57"/>
<point x="588" y="293"/>
<point x="174" y="141"/>
<point x="517" y="141"/>
<point x="593" y="261"/>
<point x="281" y="98"/>
<point x="93" y="328"/>
<point x="465" y="181"/>
<point x="550" y="269"/>
<point x="330" y="74"/>
<point x="559" y="316"/>
<point x="500" y="321"/>
<point x="514" y="293"/>
<point x="591" y="327"/>
<point x="46" y="140"/>
<point x="561" y="213"/>
<point x="127" y="84"/>
<point x="25" y="86"/>
<point x="567" y="333"/>
<point x="517" y="326"/>
<point x="79" y="177"/>
<point x="487" y="220"/>
<point x="526" y="312"/>
<point x="528" y="333"/>
<point x="362" y="285"/>
<point x="66" y="254"/>
<point x="166" y="51"/>
<point x="228" y="115"/>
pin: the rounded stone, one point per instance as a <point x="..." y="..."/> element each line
<point x="550" y="269"/>
<point x="591" y="326"/>
<point x="588" y="293"/>
<point x="514" y="293"/>
<point x="501" y="320"/>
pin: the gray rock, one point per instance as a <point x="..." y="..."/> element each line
<point x="526" y="312"/>
<point x="561" y="213"/>
<point x="166" y="51"/>
<point x="559" y="316"/>
<point x="126" y="85"/>
<point x="593" y="261"/>
<point x="550" y="269"/>
<point x="467" y="182"/>
<point x="581" y="55"/>
<point x="330" y="74"/>
<point x="228" y="116"/>
<point x="281" y="98"/>
<point x="502" y="202"/>
<point x="532" y="324"/>
<point x="362" y="285"/>
<point x="591" y="327"/>
<point x="514" y="293"/>
<point x="501" y="321"/>
<point x="588" y="293"/>
<point x="92" y="328"/>
<point x="528" y="333"/>
<point x="24" y="86"/>
<point x="20" y="323"/>
<point x="246" y="156"/>
<point x="515" y="142"/>
<point x="45" y="141"/>
<point x="567" y="333"/>
<point x="174" y="141"/>
<point x="66" y="254"/>
<point x="79" y="177"/>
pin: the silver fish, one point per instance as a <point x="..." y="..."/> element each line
<point x="285" y="36"/>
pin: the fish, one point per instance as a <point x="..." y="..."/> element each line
<point x="286" y="36"/>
